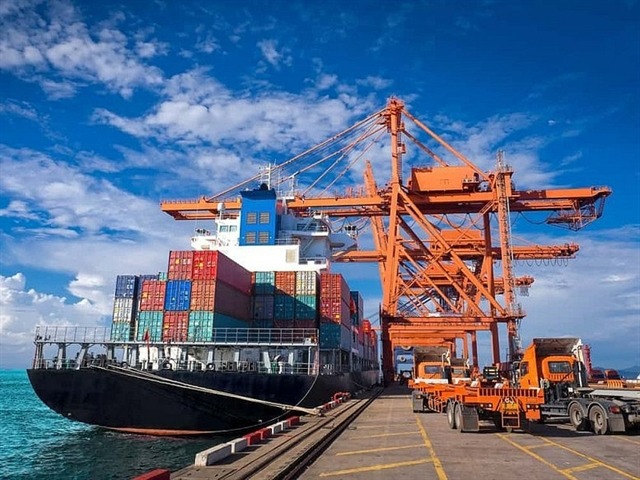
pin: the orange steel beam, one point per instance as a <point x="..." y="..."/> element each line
<point x="437" y="285"/>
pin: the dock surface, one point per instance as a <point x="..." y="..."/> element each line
<point x="386" y="440"/>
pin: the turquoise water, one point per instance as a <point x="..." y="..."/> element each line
<point x="36" y="443"/>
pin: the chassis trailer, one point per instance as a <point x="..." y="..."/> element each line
<point x="465" y="405"/>
<point x="555" y="365"/>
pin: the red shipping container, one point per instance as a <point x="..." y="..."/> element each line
<point x="180" y="265"/>
<point x="152" y="294"/>
<point x="334" y="285"/>
<point x="212" y="264"/>
<point x="175" y="326"/>
<point x="286" y="283"/>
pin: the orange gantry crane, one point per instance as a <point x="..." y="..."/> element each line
<point x="437" y="237"/>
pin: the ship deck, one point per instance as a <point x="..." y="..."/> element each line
<point x="381" y="438"/>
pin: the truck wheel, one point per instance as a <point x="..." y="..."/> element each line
<point x="598" y="419"/>
<point x="578" y="417"/>
<point x="458" y="416"/>
<point x="451" y="415"/>
<point x="497" y="421"/>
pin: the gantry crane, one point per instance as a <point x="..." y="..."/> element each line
<point x="439" y="281"/>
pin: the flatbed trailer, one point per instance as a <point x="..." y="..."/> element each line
<point x="465" y="405"/>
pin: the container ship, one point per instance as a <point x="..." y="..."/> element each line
<point x="247" y="327"/>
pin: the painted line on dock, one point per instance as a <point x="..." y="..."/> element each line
<point x="392" y="434"/>
<point x="593" y="462"/>
<point x="434" y="458"/>
<point x="386" y="449"/>
<point x="375" y="468"/>
<point x="536" y="456"/>
<point x="581" y="468"/>
<point x="619" y="437"/>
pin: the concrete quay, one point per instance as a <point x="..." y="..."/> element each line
<point x="379" y="437"/>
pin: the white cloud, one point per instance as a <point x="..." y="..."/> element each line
<point x="60" y="196"/>
<point x="594" y="297"/>
<point x="274" y="56"/>
<point x="53" y="38"/>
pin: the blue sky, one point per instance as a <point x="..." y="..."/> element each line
<point x="108" y="108"/>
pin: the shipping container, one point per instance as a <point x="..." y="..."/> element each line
<point x="284" y="307"/>
<point x="305" y="323"/>
<point x="180" y="265"/>
<point x="334" y="336"/>
<point x="221" y="320"/>
<point x="202" y="294"/>
<point x="121" y="331"/>
<point x="262" y="323"/>
<point x="152" y="293"/>
<point x="334" y="310"/>
<point x="123" y="309"/>
<point x="126" y="286"/>
<point x="263" y="307"/>
<point x="264" y="283"/>
<point x="178" y="295"/>
<point x="163" y="276"/>
<point x="306" y="307"/>
<point x="214" y="265"/>
<point x="281" y="323"/>
<point x="306" y="283"/>
<point x="286" y="283"/>
<point x="333" y="285"/>
<point x="215" y="296"/>
<point x="149" y="326"/>
<point x="366" y="326"/>
<point x="200" y="326"/>
<point x="174" y="326"/>
<point x="357" y="308"/>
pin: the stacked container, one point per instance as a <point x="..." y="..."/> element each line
<point x="335" y="314"/>
<point x="124" y="308"/>
<point x="306" y="300"/>
<point x="151" y="310"/>
<point x="218" y="295"/>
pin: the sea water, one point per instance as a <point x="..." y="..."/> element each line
<point x="36" y="443"/>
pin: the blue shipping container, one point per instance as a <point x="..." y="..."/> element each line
<point x="126" y="286"/>
<point x="335" y="336"/>
<point x="284" y="307"/>
<point x="178" y="295"/>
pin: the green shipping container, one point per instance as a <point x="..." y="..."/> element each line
<point x="200" y="326"/>
<point x="151" y="322"/>
<point x="306" y="307"/>
<point x="121" y="331"/>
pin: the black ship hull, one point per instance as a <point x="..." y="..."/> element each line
<point x="149" y="405"/>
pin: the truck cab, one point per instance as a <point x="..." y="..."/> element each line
<point x="551" y="364"/>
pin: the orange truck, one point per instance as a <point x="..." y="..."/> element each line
<point x="556" y="366"/>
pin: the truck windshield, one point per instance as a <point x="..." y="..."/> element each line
<point x="431" y="369"/>
<point x="559" y="367"/>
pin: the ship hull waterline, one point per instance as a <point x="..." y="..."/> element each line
<point x="109" y="399"/>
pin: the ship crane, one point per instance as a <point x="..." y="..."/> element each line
<point x="437" y="236"/>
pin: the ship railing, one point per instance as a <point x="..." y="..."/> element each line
<point x="57" y="334"/>
<point x="271" y="336"/>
